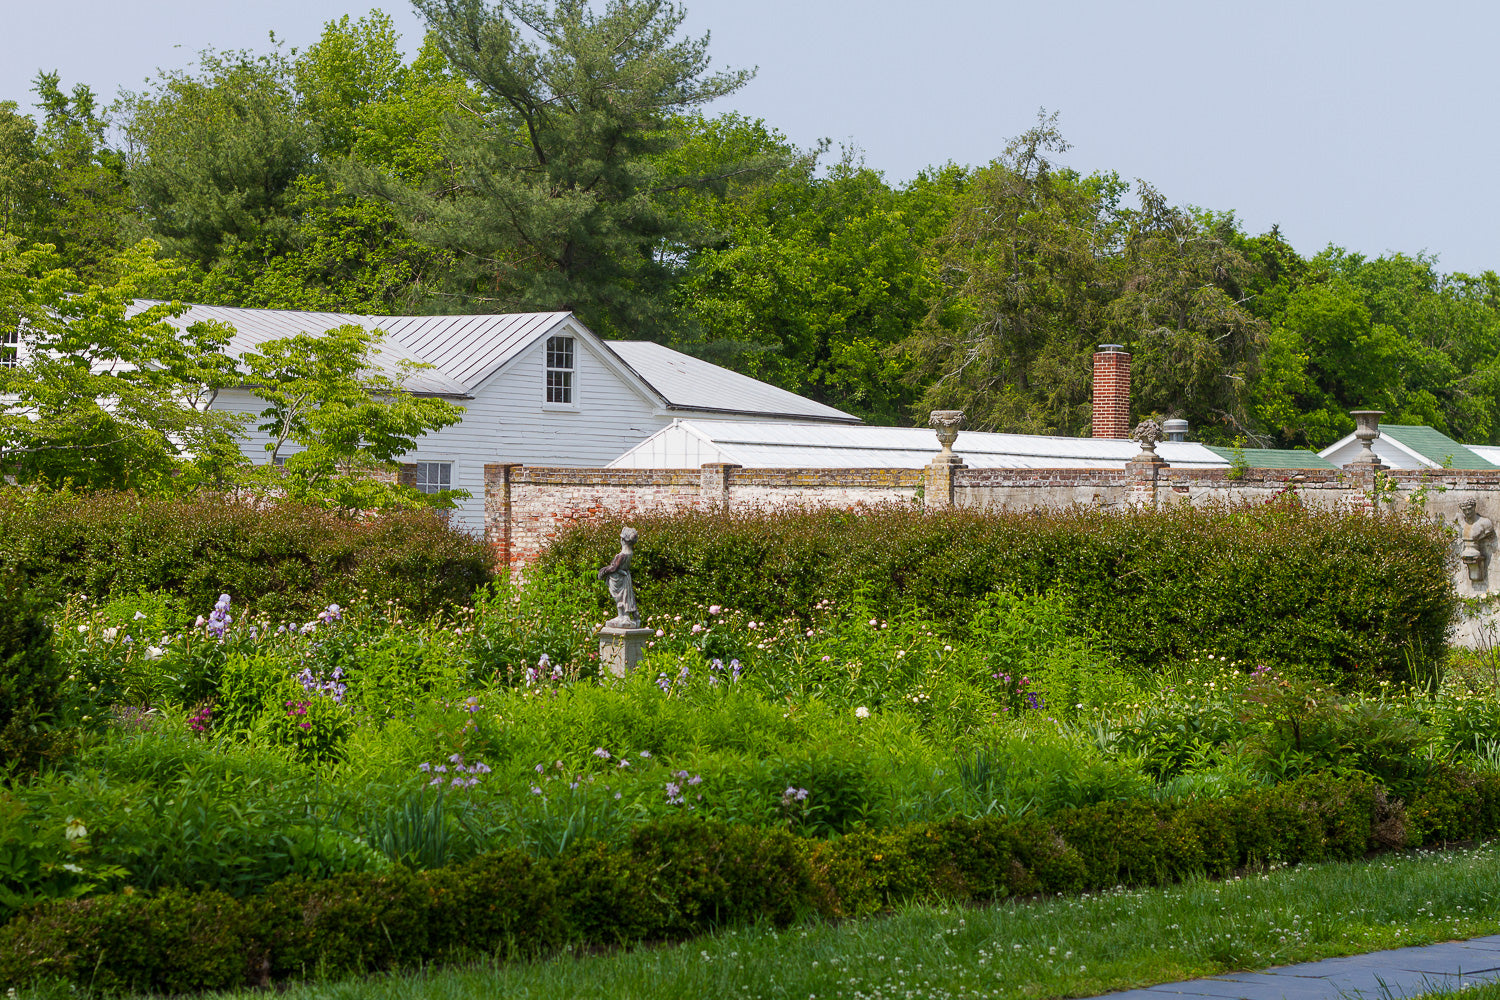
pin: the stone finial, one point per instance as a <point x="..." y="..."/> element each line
<point x="1148" y="433"/>
<point x="946" y="423"/>
<point x="1367" y="429"/>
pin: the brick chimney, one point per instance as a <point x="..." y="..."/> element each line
<point x="1111" y="392"/>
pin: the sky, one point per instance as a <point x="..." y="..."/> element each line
<point x="1367" y="125"/>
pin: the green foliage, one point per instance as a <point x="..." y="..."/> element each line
<point x="282" y="559"/>
<point x="675" y="879"/>
<point x="325" y="395"/>
<point x="31" y="682"/>
<point x="104" y="395"/>
<point x="555" y="198"/>
<point x="1314" y="591"/>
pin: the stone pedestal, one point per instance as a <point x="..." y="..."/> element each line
<point x="620" y="648"/>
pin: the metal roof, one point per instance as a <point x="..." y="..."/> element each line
<point x="689" y="383"/>
<point x="786" y="445"/>
<point x="1273" y="458"/>
<point x="470" y="348"/>
<point x="464" y="350"/>
<point x="253" y="327"/>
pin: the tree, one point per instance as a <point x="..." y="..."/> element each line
<point x="811" y="282"/>
<point x="23" y="174"/>
<point x="555" y="197"/>
<point x="87" y="196"/>
<point x="326" y="395"/>
<point x="103" y="394"/>
<point x="1028" y="266"/>
<point x="212" y="158"/>
<point x="1180" y="308"/>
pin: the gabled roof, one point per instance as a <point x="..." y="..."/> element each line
<point x="768" y="444"/>
<point x="1413" y="446"/>
<point x="689" y="383"/>
<point x="469" y="349"/>
<point x="253" y="327"/>
<point x="1434" y="445"/>
<point x="465" y="350"/>
<point x="1272" y="458"/>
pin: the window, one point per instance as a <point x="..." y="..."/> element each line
<point x="560" y="370"/>
<point x="433" y="477"/>
<point x="10" y="348"/>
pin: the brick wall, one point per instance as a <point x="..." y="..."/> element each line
<point x="526" y="507"/>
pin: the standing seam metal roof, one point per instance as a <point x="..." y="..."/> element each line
<point x="689" y="383"/>
<point x="464" y="350"/>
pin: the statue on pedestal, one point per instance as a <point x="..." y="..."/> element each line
<point x="621" y="587"/>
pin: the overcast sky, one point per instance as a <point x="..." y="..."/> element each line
<point x="1369" y="124"/>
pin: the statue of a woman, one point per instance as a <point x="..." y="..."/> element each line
<point x="621" y="588"/>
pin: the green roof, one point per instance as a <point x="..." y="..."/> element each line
<point x="1273" y="458"/>
<point x="1435" y="446"/>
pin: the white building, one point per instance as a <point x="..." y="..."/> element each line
<point x="537" y="388"/>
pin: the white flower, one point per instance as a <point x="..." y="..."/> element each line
<point x="75" y="829"/>
<point x="83" y="628"/>
<point x="70" y="867"/>
<point x="110" y="633"/>
<point x="714" y="609"/>
<point x="138" y="616"/>
<point x="153" y="652"/>
<point x="861" y="712"/>
<point x="660" y="633"/>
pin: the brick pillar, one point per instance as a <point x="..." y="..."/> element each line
<point x="937" y="483"/>
<point x="713" y="488"/>
<point x="1111" y="392"/>
<point x="497" y="524"/>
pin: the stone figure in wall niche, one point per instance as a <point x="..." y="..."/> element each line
<point x="1478" y="533"/>
<point x="621" y="587"/>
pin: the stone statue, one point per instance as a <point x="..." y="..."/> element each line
<point x="621" y="587"/>
<point x="1477" y="531"/>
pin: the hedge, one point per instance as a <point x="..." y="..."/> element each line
<point x="684" y="876"/>
<point x="1354" y="597"/>
<point x="283" y="560"/>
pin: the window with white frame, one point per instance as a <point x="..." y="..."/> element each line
<point x="10" y="348"/>
<point x="560" y="370"/>
<point x="434" y="477"/>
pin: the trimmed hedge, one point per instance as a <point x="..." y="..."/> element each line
<point x="681" y="877"/>
<point x="283" y="560"/>
<point x="1353" y="597"/>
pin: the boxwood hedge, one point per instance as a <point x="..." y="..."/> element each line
<point x="680" y="877"/>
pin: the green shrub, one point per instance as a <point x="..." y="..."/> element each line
<point x="283" y="560"/>
<point x="680" y="877"/>
<point x="1352" y="596"/>
<point x="31" y="683"/>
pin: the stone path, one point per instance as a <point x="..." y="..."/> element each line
<point x="1404" y="972"/>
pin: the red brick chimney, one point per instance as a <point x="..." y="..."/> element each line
<point x="1111" y="392"/>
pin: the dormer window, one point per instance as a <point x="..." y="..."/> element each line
<point x="10" y="348"/>
<point x="560" y="370"/>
